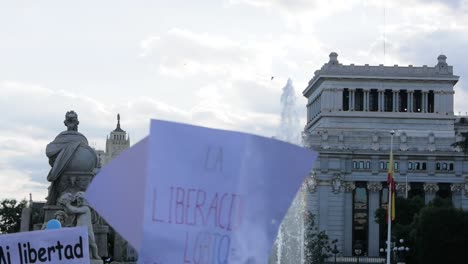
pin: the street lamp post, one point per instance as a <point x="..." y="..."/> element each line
<point x="398" y="252"/>
<point x="335" y="251"/>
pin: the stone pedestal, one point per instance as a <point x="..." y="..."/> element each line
<point x="100" y="233"/>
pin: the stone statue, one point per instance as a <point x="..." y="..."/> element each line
<point x="83" y="217"/>
<point x="69" y="152"/>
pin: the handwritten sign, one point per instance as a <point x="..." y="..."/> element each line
<point x="60" y="246"/>
<point x="206" y="195"/>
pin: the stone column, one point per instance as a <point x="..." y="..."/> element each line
<point x="374" y="204"/>
<point x="430" y="190"/>
<point x="348" y="218"/>
<point x="381" y="101"/>
<point x="457" y="189"/>
<point x="366" y="100"/>
<point x="437" y="108"/>
<point x="410" y="101"/>
<point x="338" y="98"/>
<point x="423" y="96"/>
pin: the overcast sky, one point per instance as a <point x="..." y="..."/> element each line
<point x="201" y="62"/>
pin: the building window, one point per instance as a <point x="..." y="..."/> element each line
<point x="451" y="167"/>
<point x="367" y="164"/>
<point x="388" y="101"/>
<point x="437" y="166"/>
<point x="410" y="165"/>
<point x="345" y="99"/>
<point x="444" y="166"/>
<point x="416" y="166"/>
<point x="403" y="102"/>
<point x="361" y="164"/>
<point x="359" y="100"/>
<point x="424" y="166"/>
<point x="395" y="166"/>
<point x="417" y="99"/>
<point x="355" y="165"/>
<point x="382" y="166"/>
<point x="373" y="100"/>
<point x="360" y="216"/>
<point x="430" y="102"/>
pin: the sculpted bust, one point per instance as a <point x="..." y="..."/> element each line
<point x="69" y="152"/>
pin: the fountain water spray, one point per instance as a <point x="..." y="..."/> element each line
<point x="289" y="128"/>
<point x="290" y="240"/>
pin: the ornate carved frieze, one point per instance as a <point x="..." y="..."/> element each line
<point x="375" y="141"/>
<point x="374" y="186"/>
<point x="336" y="183"/>
<point x="324" y="139"/>
<point x="403" y="141"/>
<point x="456" y="187"/>
<point x="465" y="186"/>
<point x="349" y="186"/>
<point x="431" y="144"/>
<point x="401" y="187"/>
<point x="431" y="187"/>
<point x="341" y="144"/>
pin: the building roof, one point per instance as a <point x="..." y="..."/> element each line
<point x="118" y="129"/>
<point x="333" y="69"/>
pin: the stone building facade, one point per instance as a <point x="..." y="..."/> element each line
<point x="350" y="112"/>
<point x="116" y="142"/>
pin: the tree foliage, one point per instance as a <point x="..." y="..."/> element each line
<point x="435" y="233"/>
<point x="10" y="215"/>
<point x="462" y="144"/>
<point x="440" y="233"/>
<point x="317" y="243"/>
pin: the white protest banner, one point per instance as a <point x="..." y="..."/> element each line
<point x="59" y="246"/>
<point x="197" y="195"/>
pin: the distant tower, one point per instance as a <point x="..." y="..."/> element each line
<point x="116" y="142"/>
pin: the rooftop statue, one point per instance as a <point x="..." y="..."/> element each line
<point x="68" y="153"/>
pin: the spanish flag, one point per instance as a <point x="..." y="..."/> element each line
<point x="391" y="186"/>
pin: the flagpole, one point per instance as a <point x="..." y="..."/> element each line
<point x="389" y="205"/>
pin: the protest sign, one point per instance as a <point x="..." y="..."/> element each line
<point x="59" y="246"/>
<point x="200" y="195"/>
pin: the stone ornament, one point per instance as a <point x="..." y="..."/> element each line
<point x="456" y="187"/>
<point x="375" y="141"/>
<point x="311" y="182"/>
<point x="349" y="186"/>
<point x="374" y="186"/>
<point x="401" y="187"/>
<point x="431" y="187"/>
<point x="403" y="143"/>
<point x="431" y="146"/>
<point x="341" y="144"/>
<point x="78" y="206"/>
<point x="465" y="187"/>
<point x="336" y="183"/>
<point x="324" y="139"/>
